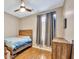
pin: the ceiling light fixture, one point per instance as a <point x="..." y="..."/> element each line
<point x="22" y="9"/>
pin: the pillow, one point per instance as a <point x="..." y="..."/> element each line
<point x="24" y="36"/>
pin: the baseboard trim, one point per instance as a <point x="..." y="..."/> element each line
<point x="47" y="49"/>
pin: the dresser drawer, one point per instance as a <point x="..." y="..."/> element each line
<point x="61" y="50"/>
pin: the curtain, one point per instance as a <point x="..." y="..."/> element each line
<point x="46" y="35"/>
<point x="38" y="39"/>
<point x="49" y="29"/>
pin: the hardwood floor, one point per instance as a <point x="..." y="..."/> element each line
<point x="33" y="53"/>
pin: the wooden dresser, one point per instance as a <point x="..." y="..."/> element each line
<point x="61" y="49"/>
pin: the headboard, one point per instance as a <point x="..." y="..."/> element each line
<point x="25" y="33"/>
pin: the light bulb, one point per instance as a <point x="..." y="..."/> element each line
<point x="22" y="10"/>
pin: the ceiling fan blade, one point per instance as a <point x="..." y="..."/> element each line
<point x="16" y="10"/>
<point x="30" y="10"/>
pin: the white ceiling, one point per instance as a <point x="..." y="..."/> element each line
<point x="36" y="5"/>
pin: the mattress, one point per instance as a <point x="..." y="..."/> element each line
<point x="17" y="42"/>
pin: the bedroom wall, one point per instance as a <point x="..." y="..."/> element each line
<point x="68" y="10"/>
<point x="30" y="22"/>
<point x="11" y="24"/>
<point x="59" y="23"/>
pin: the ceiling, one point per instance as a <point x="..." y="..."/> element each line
<point x="36" y="5"/>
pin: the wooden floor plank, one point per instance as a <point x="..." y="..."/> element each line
<point x="33" y="53"/>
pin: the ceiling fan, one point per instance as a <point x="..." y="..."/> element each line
<point x="23" y="8"/>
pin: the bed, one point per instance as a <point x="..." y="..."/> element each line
<point x="17" y="44"/>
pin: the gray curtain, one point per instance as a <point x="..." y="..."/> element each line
<point x="46" y="35"/>
<point x="49" y="29"/>
<point x="38" y="37"/>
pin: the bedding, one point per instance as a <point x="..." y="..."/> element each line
<point x="17" y="42"/>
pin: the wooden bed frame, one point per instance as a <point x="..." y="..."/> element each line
<point x="21" y="33"/>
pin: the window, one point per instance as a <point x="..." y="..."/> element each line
<point x="46" y="29"/>
<point x="43" y="25"/>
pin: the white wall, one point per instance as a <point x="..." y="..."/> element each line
<point x="59" y="23"/>
<point x="30" y="22"/>
<point x="11" y="25"/>
<point x="69" y="14"/>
